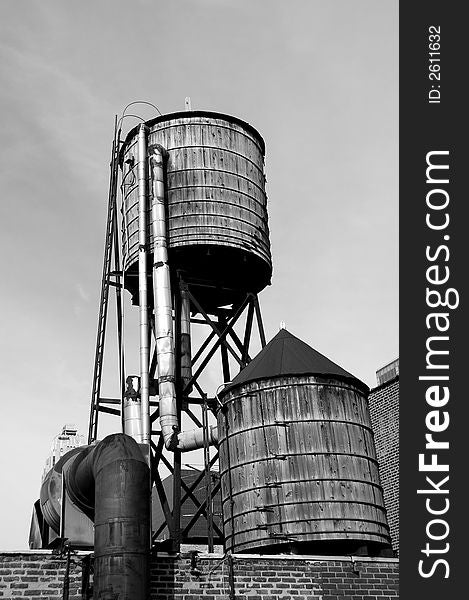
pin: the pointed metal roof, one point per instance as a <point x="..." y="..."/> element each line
<point x="286" y="354"/>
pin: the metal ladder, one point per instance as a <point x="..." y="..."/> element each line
<point x="111" y="250"/>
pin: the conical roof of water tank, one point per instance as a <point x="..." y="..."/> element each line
<point x="286" y="354"/>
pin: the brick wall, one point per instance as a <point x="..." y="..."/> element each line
<point x="277" y="578"/>
<point x="384" y="410"/>
<point x="35" y="575"/>
<point x="38" y="575"/>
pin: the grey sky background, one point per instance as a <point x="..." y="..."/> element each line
<point x="317" y="78"/>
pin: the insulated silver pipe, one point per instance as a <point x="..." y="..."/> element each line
<point x="142" y="177"/>
<point x="194" y="438"/>
<point x="163" y="304"/>
<point x="132" y="409"/>
<point x="173" y="439"/>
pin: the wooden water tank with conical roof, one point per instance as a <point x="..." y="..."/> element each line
<point x="297" y="457"/>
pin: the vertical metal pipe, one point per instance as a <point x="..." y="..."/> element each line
<point x="177" y="471"/>
<point x="122" y="520"/>
<point x="132" y="409"/>
<point x="223" y="415"/>
<point x="177" y="501"/>
<point x="66" y="585"/>
<point x="185" y="338"/>
<point x="231" y="578"/>
<point x="142" y="177"/>
<point x="109" y="482"/>
<point x="208" y="475"/>
<point x="163" y="305"/>
<point x="224" y="353"/>
<point x="170" y="409"/>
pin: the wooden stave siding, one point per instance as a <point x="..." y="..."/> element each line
<point x="215" y="188"/>
<point x="295" y="506"/>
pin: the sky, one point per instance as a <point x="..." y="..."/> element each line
<point x="317" y="78"/>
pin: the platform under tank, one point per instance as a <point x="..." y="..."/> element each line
<point x="217" y="223"/>
<point x="299" y="473"/>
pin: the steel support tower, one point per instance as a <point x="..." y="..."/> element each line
<point x="229" y="333"/>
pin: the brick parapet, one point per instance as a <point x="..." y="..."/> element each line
<point x="41" y="575"/>
<point x="38" y="575"/>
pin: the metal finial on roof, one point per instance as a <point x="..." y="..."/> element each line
<point x="282" y="325"/>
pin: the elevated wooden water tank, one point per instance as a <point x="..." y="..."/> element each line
<point x="297" y="457"/>
<point x="216" y="202"/>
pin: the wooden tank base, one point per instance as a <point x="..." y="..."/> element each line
<point x="326" y="548"/>
<point x="224" y="274"/>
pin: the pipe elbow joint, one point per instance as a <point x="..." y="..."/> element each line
<point x="159" y="148"/>
<point x="171" y="441"/>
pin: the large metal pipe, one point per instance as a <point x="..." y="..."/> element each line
<point x="193" y="439"/>
<point x="142" y="176"/>
<point x="170" y="427"/>
<point x="109" y="482"/>
<point x="163" y="304"/>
